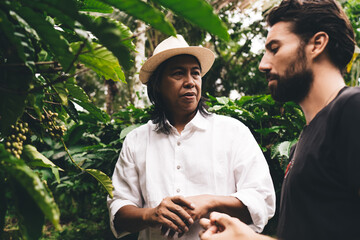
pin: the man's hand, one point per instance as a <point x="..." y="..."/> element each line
<point x="202" y="206"/>
<point x="222" y="226"/>
<point x="170" y="214"/>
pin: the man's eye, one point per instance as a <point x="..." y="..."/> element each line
<point x="178" y="73"/>
<point x="197" y="73"/>
<point x="274" y="49"/>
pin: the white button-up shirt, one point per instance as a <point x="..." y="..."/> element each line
<point x="213" y="155"/>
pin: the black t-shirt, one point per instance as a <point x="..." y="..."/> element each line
<point x="321" y="191"/>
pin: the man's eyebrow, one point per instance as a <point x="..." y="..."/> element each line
<point x="268" y="45"/>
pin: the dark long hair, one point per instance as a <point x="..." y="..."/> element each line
<point x="158" y="113"/>
<point x="311" y="16"/>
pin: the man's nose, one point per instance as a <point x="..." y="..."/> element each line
<point x="264" y="65"/>
<point x="189" y="81"/>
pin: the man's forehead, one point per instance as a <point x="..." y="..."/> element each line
<point x="280" y="31"/>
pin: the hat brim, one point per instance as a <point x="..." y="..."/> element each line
<point x="205" y="56"/>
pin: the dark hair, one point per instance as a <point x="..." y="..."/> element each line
<point x="312" y="16"/>
<point x="158" y="113"/>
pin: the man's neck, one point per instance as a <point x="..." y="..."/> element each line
<point x="328" y="81"/>
<point x="179" y="121"/>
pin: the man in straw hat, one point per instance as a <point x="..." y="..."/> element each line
<point x="186" y="162"/>
<point x="308" y="47"/>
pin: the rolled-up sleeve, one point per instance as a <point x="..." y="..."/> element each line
<point x="254" y="185"/>
<point x="126" y="185"/>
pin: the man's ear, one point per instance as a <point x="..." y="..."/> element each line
<point x="318" y="43"/>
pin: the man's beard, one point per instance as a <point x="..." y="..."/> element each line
<point x="295" y="84"/>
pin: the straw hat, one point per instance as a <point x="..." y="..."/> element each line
<point x="171" y="47"/>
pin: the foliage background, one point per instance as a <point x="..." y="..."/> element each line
<point x="69" y="94"/>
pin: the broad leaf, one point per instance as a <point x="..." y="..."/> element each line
<point x="34" y="159"/>
<point x="48" y="35"/>
<point x="93" y="110"/>
<point x="200" y="13"/>
<point x="114" y="35"/>
<point x="3" y="202"/>
<point x="125" y="131"/>
<point x="101" y="60"/>
<point x="31" y="219"/>
<point x="13" y="41"/>
<point x="14" y="83"/>
<point x="144" y="12"/>
<point x="62" y="92"/>
<point x="77" y="92"/>
<point x="51" y="10"/>
<point x="18" y="170"/>
<point x="95" y="6"/>
<point x="103" y="179"/>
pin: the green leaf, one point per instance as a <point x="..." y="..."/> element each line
<point x="114" y="35"/>
<point x="95" y="6"/>
<point x="266" y="131"/>
<point x="61" y="90"/>
<point x="125" y="131"/>
<point x="200" y="13"/>
<point x="35" y="159"/>
<point x="282" y="149"/>
<point x="93" y="110"/>
<point x="144" y="12"/>
<point x="77" y="92"/>
<point x="18" y="170"/>
<point x="101" y="60"/>
<point x="14" y="83"/>
<point x="51" y="10"/>
<point x="8" y="30"/>
<point x="103" y="179"/>
<point x="31" y="219"/>
<point x="48" y="35"/>
<point x="3" y="203"/>
<point x="223" y="100"/>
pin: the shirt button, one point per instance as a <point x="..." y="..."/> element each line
<point x="178" y="143"/>
<point x="178" y="190"/>
<point x="178" y="167"/>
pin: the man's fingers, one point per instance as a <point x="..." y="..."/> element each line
<point x="205" y="223"/>
<point x="177" y="221"/>
<point x="180" y="200"/>
<point x="207" y="234"/>
<point x="181" y="213"/>
<point x="220" y="218"/>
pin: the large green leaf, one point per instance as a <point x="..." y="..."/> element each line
<point x="9" y="32"/>
<point x="93" y="110"/>
<point x="31" y="218"/>
<point x="101" y="60"/>
<point x="48" y="35"/>
<point x="14" y="83"/>
<point x="144" y="12"/>
<point x="126" y="130"/>
<point x="95" y="6"/>
<point x="3" y="202"/>
<point x="200" y="13"/>
<point x="19" y="171"/>
<point x="51" y="10"/>
<point x="114" y="35"/>
<point x="34" y="159"/>
<point x="103" y="179"/>
<point x="77" y="92"/>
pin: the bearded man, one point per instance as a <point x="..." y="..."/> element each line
<point x="309" y="44"/>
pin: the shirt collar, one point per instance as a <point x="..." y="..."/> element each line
<point x="199" y="122"/>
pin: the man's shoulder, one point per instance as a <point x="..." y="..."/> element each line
<point x="349" y="93"/>
<point x="140" y="130"/>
